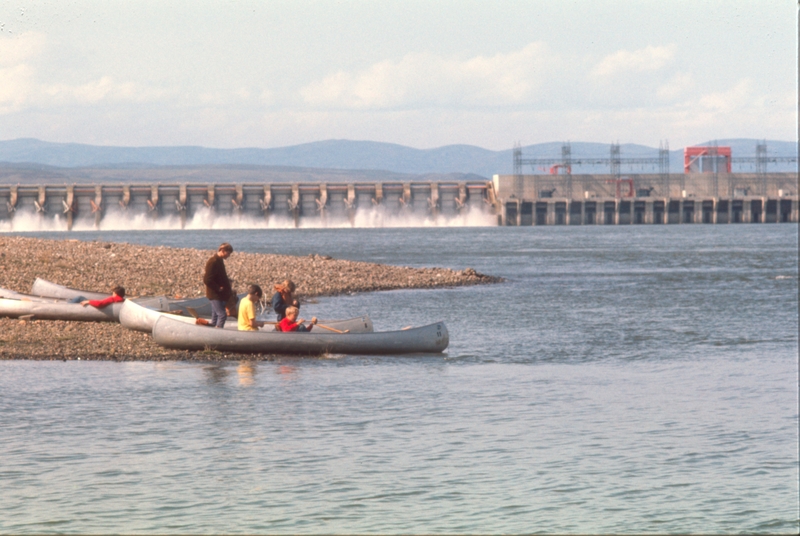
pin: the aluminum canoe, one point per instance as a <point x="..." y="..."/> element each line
<point x="48" y="289"/>
<point x="139" y="318"/>
<point x="14" y="295"/>
<point x="58" y="311"/>
<point x="172" y="333"/>
<point x="201" y="305"/>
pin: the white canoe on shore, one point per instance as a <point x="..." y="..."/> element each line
<point x="139" y="318"/>
<point x="63" y="313"/>
<point x="48" y="289"/>
<point x="201" y="305"/>
<point x="14" y="310"/>
<point x="60" y="310"/>
<point x="173" y="333"/>
<point x="14" y="295"/>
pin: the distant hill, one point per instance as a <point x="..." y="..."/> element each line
<point x="348" y="155"/>
<point x="11" y="173"/>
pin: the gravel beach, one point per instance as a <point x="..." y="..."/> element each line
<point x="147" y="270"/>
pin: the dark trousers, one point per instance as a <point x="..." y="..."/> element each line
<point x="218" y="314"/>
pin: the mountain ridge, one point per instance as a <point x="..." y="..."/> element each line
<point x="338" y="154"/>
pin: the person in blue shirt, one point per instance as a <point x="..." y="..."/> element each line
<point x="284" y="297"/>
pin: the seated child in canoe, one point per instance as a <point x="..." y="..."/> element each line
<point x="291" y="323"/>
<point x="247" y="309"/>
<point x="117" y="295"/>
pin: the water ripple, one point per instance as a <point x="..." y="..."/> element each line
<point x="611" y="385"/>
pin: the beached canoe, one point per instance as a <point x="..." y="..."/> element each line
<point x="54" y="293"/>
<point x="20" y="296"/>
<point x="139" y="318"/>
<point x="48" y="289"/>
<point x="200" y="305"/>
<point x="14" y="295"/>
<point x="172" y="333"/>
<point x="61" y="310"/>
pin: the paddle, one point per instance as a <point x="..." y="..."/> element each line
<point x="332" y="329"/>
<point x="197" y="319"/>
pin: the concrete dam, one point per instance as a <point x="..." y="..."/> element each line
<point x="507" y="200"/>
<point x="226" y="205"/>
<point x="659" y="198"/>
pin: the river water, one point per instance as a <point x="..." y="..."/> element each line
<point x="623" y="379"/>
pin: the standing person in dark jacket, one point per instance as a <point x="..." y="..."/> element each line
<point x="218" y="286"/>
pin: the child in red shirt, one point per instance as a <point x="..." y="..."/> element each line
<point x="117" y="295"/>
<point x="290" y="323"/>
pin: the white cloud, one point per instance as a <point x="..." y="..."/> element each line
<point x="16" y="72"/>
<point x="21" y="82"/>
<point x="15" y="87"/>
<point x="103" y="89"/>
<point x="19" y="49"/>
<point x="421" y="79"/>
<point x="738" y="96"/>
<point x="676" y="87"/>
<point x="266" y="97"/>
<point x="649" y="58"/>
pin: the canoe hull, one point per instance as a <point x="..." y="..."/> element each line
<point x="134" y="316"/>
<point x="172" y="333"/>
<point x="59" y="311"/>
<point x="14" y="295"/>
<point x="48" y="289"/>
<point x="201" y="305"/>
<point x="138" y="318"/>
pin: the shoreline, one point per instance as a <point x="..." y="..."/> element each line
<point x="159" y="270"/>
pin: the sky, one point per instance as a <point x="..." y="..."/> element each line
<point x="422" y="74"/>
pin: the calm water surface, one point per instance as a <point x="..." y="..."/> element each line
<point x="623" y="379"/>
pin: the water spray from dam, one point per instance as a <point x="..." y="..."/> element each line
<point x="252" y="206"/>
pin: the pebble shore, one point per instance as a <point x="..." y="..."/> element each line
<point x="150" y="271"/>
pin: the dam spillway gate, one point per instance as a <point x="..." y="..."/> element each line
<point x="88" y="206"/>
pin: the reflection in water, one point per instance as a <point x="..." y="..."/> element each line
<point x="246" y="371"/>
<point x="645" y="413"/>
<point x="287" y="372"/>
<point x="216" y="373"/>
